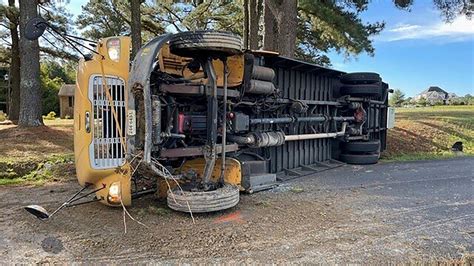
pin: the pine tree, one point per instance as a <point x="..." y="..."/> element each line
<point x="100" y="19"/>
<point x="30" y="93"/>
<point x="333" y="25"/>
<point x="397" y="98"/>
<point x="281" y="23"/>
<point x="10" y="18"/>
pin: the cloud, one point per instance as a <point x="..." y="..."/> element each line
<point x="460" y="29"/>
<point x="404" y="28"/>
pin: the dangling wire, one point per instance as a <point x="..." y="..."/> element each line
<point x="71" y="42"/>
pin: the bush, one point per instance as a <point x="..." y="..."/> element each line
<point x="53" y="76"/>
<point x="3" y="117"/>
<point x="422" y="102"/>
<point x="51" y="116"/>
<point x="50" y="97"/>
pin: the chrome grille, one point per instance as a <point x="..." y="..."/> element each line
<point x="106" y="149"/>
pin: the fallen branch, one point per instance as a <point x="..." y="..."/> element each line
<point x="163" y="172"/>
<point x="125" y="211"/>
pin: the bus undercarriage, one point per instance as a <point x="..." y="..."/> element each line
<point x="216" y="120"/>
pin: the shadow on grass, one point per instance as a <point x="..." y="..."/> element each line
<point x="37" y="141"/>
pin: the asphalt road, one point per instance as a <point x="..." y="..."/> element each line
<point x="428" y="204"/>
<point x="399" y="212"/>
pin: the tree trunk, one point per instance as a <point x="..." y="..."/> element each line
<point x="280" y="23"/>
<point x="136" y="26"/>
<point x="255" y="13"/>
<point x="14" y="96"/>
<point x="30" y="92"/>
<point x="246" y="24"/>
<point x="270" y="29"/>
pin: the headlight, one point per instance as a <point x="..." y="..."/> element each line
<point x="114" y="193"/>
<point x="113" y="49"/>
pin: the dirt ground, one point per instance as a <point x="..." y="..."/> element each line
<point x="398" y="212"/>
<point x="36" y="143"/>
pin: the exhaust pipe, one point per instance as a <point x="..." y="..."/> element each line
<point x="318" y="135"/>
<point x="268" y="139"/>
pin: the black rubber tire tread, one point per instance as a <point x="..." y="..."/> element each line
<point x="204" y="201"/>
<point x="190" y="43"/>
<point x="362" y="90"/>
<point x="361" y="146"/>
<point x="359" y="158"/>
<point x="361" y="78"/>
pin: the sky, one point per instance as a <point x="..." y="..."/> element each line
<point x="416" y="49"/>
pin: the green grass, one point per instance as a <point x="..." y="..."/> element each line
<point x="36" y="155"/>
<point x="422" y="156"/>
<point x="29" y="171"/>
<point x="297" y="189"/>
<point x="37" y="181"/>
<point x="33" y="178"/>
<point x="462" y="116"/>
<point x="426" y="133"/>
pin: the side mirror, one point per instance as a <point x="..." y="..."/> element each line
<point x="38" y="211"/>
<point x="35" y="27"/>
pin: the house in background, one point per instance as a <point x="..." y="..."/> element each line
<point x="66" y="100"/>
<point x="435" y="94"/>
<point x="451" y="97"/>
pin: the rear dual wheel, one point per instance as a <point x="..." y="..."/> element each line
<point x="362" y="90"/>
<point x="361" y="146"/>
<point x="362" y="84"/>
<point x="371" y="158"/>
<point x="360" y="152"/>
<point x="361" y="78"/>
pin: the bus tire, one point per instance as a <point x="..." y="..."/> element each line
<point x="192" y="43"/>
<point x="372" y="158"/>
<point x="361" y="78"/>
<point x="361" y="146"/>
<point x="204" y="201"/>
<point x="363" y="90"/>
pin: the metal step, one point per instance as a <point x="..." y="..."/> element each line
<point x="254" y="167"/>
<point x="259" y="182"/>
<point x="305" y="170"/>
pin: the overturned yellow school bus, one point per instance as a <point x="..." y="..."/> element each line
<point x="198" y="120"/>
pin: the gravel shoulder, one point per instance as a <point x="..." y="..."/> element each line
<point x="398" y="212"/>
